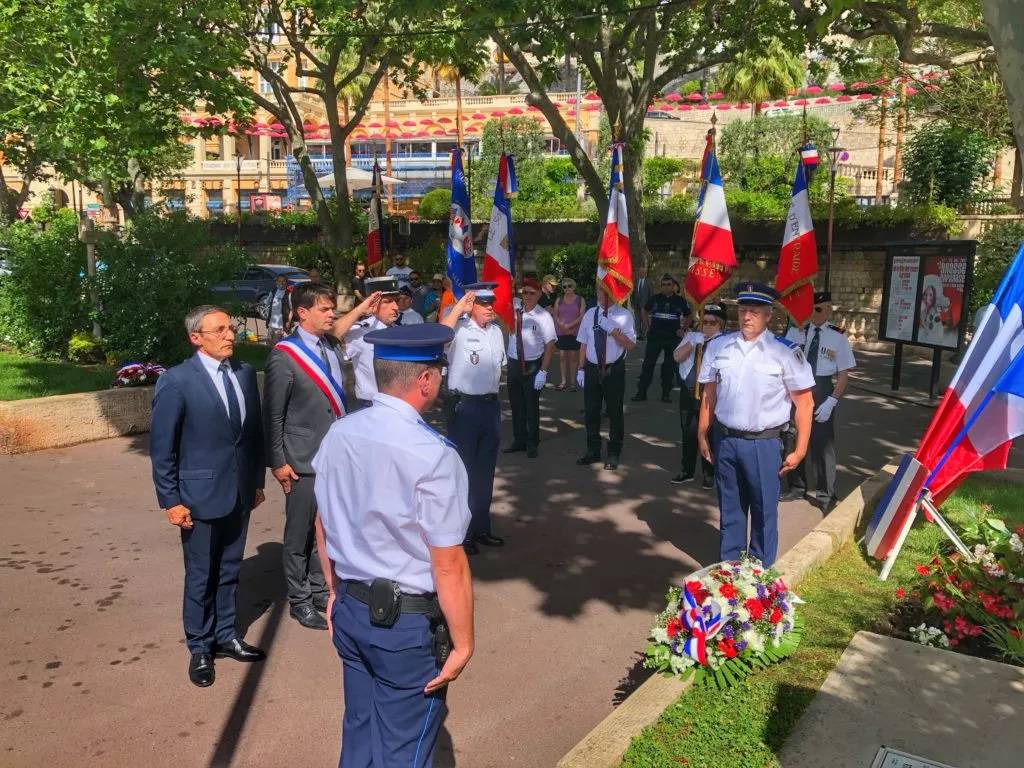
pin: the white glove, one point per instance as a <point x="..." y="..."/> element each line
<point x="824" y="411"/>
<point x="540" y="380"/>
<point x="517" y="305"/>
<point x="606" y="324"/>
<point x="579" y="378"/>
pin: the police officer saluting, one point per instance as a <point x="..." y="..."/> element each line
<point x="475" y="358"/>
<point x="662" y="315"/>
<point x="391" y="495"/>
<point x="829" y="354"/>
<point x="530" y="346"/>
<point x="378" y="311"/>
<point x="751" y="380"/>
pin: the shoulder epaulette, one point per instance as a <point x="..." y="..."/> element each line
<point x="837" y="328"/>
<point x="787" y="342"/>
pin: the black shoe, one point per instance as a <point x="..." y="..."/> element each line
<point x="666" y="398"/>
<point x="638" y="398"/>
<point x="470" y="546"/>
<point x="707" y="484"/>
<point x="490" y="540"/>
<point x="200" y="669"/>
<point x="514" y="448"/>
<point x="612" y="462"/>
<point x="588" y="458"/>
<point x="531" y="453"/>
<point x="793" y="494"/>
<point x="239" y="650"/>
<point x="682" y="477"/>
<point x="320" y="602"/>
<point x="307" y="616"/>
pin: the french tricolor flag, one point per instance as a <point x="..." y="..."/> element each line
<point x="980" y="414"/>
<point x="809" y="157"/>
<point x="712" y="254"/>
<point x="374" y="239"/>
<point x="614" y="260"/>
<point x="798" y="260"/>
<point x="499" y="259"/>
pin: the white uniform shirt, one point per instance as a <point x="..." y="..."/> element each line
<point x="401" y="274"/>
<point x="475" y="358"/>
<point x="212" y="367"/>
<point x="623" y="318"/>
<point x="754" y="379"/>
<point x="276" y="319"/>
<point x="411" y="317"/>
<point x="360" y="354"/>
<point x="538" y="332"/>
<point x="388" y="487"/>
<point x="312" y="342"/>
<point x="834" y="351"/>
<point x="694" y="339"/>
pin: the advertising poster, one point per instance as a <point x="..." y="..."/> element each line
<point x="902" y="297"/>
<point x="943" y="284"/>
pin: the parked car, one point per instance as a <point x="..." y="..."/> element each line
<point x="656" y="114"/>
<point x="254" y="285"/>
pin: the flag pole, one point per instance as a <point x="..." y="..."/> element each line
<point x="698" y="356"/>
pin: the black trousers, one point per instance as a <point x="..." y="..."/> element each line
<point x="303" y="576"/>
<point x="689" y="413"/>
<point x="525" y="403"/>
<point x="604" y="391"/>
<point x="213" y="552"/>
<point x="817" y="472"/>
<point x="656" y="345"/>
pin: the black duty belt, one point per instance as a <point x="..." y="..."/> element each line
<point x="425" y="604"/>
<point x="610" y="363"/>
<point x="764" y="434"/>
<point x="490" y="397"/>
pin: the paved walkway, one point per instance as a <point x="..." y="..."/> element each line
<point x="93" y="670"/>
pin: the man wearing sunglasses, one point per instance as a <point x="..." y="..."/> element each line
<point x="662" y="316"/>
<point x="828" y="351"/>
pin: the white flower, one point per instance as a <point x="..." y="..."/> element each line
<point x="679" y="664"/>
<point x="753" y="640"/>
<point x="980" y="550"/>
<point x="931" y="636"/>
<point x="1016" y="544"/>
<point x="742" y="614"/>
<point x="660" y="635"/>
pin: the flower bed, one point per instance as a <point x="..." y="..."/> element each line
<point x="138" y="375"/>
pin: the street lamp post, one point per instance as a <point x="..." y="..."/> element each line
<point x="834" y="154"/>
<point x="238" y="194"/>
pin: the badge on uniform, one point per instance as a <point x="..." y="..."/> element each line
<point x="798" y="354"/>
<point x="474" y="358"/>
<point x="829" y="353"/>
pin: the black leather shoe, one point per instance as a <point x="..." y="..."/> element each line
<point x="239" y="650"/>
<point x="612" y="462"/>
<point x="682" y="477"/>
<point x="490" y="540"/>
<point x="589" y="458"/>
<point x="707" y="485"/>
<point x="470" y="547"/>
<point x="320" y="602"/>
<point x="514" y="448"/>
<point x="307" y="616"/>
<point x="531" y="453"/>
<point x="667" y="398"/>
<point x="793" y="494"/>
<point x="638" y="398"/>
<point x="200" y="669"/>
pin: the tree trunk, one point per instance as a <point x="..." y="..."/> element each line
<point x="1016" y="193"/>
<point x="880" y="164"/>
<point x="901" y="119"/>
<point x="11" y="201"/>
<point x="1002" y="17"/>
<point x="348" y="136"/>
<point x="632" y="165"/>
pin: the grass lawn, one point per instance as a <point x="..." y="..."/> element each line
<point x="745" y="726"/>
<point x="23" y="377"/>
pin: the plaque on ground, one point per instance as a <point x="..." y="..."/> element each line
<point x="888" y="757"/>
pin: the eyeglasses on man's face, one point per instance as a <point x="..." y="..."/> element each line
<point x="221" y="331"/>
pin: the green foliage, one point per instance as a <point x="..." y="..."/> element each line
<point x="428" y="258"/>
<point x="996" y="249"/>
<point x="23" y="377"/>
<point x="575" y="260"/>
<point x="151" y="277"/>
<point x="656" y="172"/>
<point x="671" y="209"/>
<point x="760" y="154"/>
<point x="42" y="302"/>
<point x="83" y="348"/>
<point x="435" y="205"/>
<point x="761" y="73"/>
<point x="946" y="164"/>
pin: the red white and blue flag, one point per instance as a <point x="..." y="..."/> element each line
<point x="981" y="412"/>
<point x="499" y="259"/>
<point x="320" y="374"/>
<point x="461" y="263"/>
<point x="809" y="157"/>
<point x="374" y="234"/>
<point x="614" y="261"/>
<point x="712" y="254"/>
<point x="798" y="260"/>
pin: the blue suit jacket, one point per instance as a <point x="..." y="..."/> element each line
<point x="197" y="458"/>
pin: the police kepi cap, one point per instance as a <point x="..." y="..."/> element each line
<point x="823" y="297"/>
<point x="716" y="310"/>
<point x="386" y="285"/>
<point x="756" y="293"/>
<point x="420" y="343"/>
<point x="484" y="291"/>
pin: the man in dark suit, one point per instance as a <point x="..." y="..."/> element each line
<point x="302" y="397"/>
<point x="641" y="295"/>
<point x="206" y="447"/>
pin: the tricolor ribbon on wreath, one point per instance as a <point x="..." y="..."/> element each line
<point x="703" y="623"/>
<point x="317" y="370"/>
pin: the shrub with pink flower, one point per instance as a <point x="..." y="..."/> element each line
<point x="138" y="375"/>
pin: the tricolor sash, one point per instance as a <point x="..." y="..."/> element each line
<point x="318" y="371"/>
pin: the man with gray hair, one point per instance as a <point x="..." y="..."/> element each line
<point x="206" y="448"/>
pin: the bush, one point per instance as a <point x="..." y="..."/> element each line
<point x="83" y="348"/>
<point x="656" y="172"/>
<point x="435" y="205"/>
<point x="151" y="277"/>
<point x="576" y="260"/>
<point x="946" y="164"/>
<point x="746" y="145"/>
<point x="676" y="208"/>
<point x="996" y="249"/>
<point x="43" y="301"/>
<point x="427" y="258"/>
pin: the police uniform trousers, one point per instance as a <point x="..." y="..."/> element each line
<point x="475" y="428"/>
<point x="606" y="390"/>
<point x="213" y="552"/>
<point x="303" y="576"/>
<point x="747" y="481"/>
<point x="388" y="720"/>
<point x="821" y="450"/>
<point x="656" y="345"/>
<point x="524" y="401"/>
<point x="689" y="412"/>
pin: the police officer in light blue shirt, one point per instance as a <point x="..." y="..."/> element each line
<point x="391" y="495"/>
<point x="751" y="380"/>
<point x="475" y="359"/>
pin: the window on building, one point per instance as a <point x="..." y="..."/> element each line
<point x="265" y="87"/>
<point x="278" y="149"/>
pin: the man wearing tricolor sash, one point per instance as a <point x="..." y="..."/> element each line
<point x="302" y="397"/>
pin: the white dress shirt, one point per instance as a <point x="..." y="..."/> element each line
<point x="622" y="318"/>
<point x="694" y="339"/>
<point x="212" y="367"/>
<point x="401" y="274"/>
<point x="411" y="317"/>
<point x="754" y="379"/>
<point x="360" y="354"/>
<point x="538" y="332"/>
<point x="313" y="342"/>
<point x="475" y="358"/>
<point x="388" y="487"/>
<point x="276" y="319"/>
<point x="834" y="351"/>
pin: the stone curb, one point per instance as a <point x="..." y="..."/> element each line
<point x="605" y="745"/>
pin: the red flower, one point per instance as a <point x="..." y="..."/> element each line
<point x="694" y="587"/>
<point x="994" y="606"/>
<point x="924" y="570"/>
<point x="943" y="602"/>
<point x="900" y="593"/>
<point x="1015" y="633"/>
<point x="776" y="616"/>
<point x="727" y="647"/>
<point x="674" y="626"/>
<point x="755" y="609"/>
<point x="965" y="586"/>
<point x="966" y="628"/>
<point x="728" y="591"/>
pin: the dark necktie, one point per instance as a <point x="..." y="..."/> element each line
<point x="398" y="320"/>
<point x="520" y="352"/>
<point x="322" y="349"/>
<point x="234" y="410"/>
<point x="600" y="342"/>
<point x="812" y="350"/>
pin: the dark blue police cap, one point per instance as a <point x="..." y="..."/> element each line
<point x="420" y="343"/>
<point x="756" y="293"/>
<point x="484" y="291"/>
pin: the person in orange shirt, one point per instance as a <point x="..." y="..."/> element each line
<point x="447" y="298"/>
